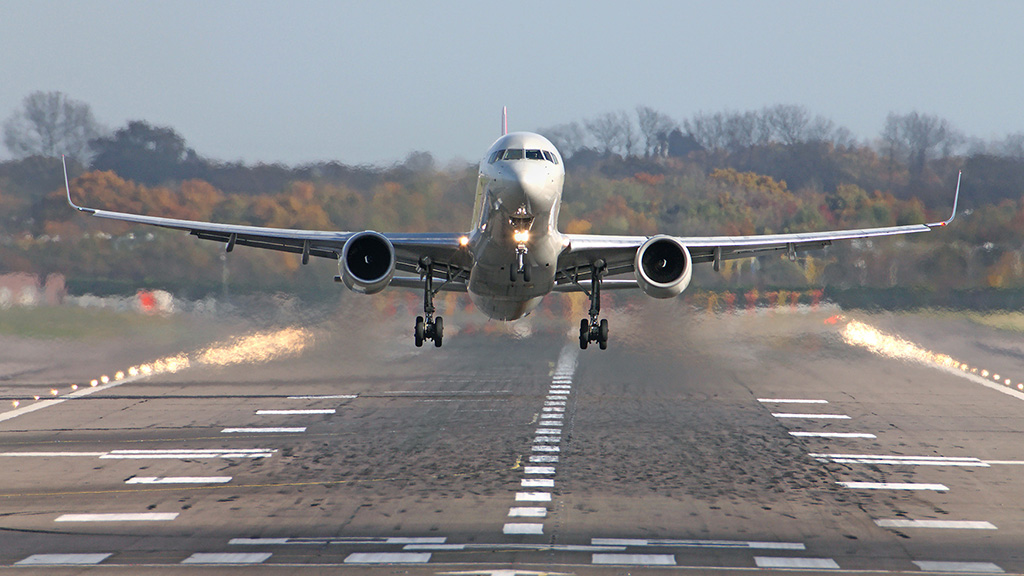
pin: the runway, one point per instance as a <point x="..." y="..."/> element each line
<point x="706" y="444"/>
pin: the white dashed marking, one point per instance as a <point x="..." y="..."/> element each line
<point x="833" y="435"/>
<point x="537" y="483"/>
<point x="543" y="448"/>
<point x="535" y="512"/>
<point x="548" y="431"/>
<point x="811" y="416"/>
<point x="547" y="440"/>
<point x="388" y="558"/>
<point x="178" y="480"/>
<point x="952" y="524"/>
<point x="227" y="558"/>
<point x="139" y="517"/>
<point x="295" y="412"/>
<point x="986" y="567"/>
<point x="62" y="559"/>
<point x="296" y="430"/>
<point x="543" y="459"/>
<point x="325" y="397"/>
<point x="520" y="528"/>
<point x="800" y="563"/>
<point x="533" y="497"/>
<point x="893" y="486"/>
<point x="790" y="401"/>
<point x="635" y="559"/>
<point x="539" y="470"/>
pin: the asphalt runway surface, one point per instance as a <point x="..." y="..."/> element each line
<point x="697" y="443"/>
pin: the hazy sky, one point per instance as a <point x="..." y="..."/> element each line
<point x="301" y="81"/>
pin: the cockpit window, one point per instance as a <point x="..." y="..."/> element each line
<point x="520" y="154"/>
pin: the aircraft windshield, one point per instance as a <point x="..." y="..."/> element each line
<point x="521" y="154"/>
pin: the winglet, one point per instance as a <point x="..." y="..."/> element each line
<point x="956" y="197"/>
<point x="504" y="120"/>
<point x="67" y="186"/>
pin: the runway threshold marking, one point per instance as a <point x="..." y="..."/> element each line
<point x="752" y="545"/>
<point x="325" y="397"/>
<point x="900" y="460"/>
<point x="298" y="412"/>
<point x="387" y="558"/>
<point x="811" y="416"/>
<point x="833" y="435"/>
<point x="292" y="430"/>
<point x="791" y="401"/>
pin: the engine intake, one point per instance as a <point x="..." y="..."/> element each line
<point x="367" y="262"/>
<point x="663" y="267"/>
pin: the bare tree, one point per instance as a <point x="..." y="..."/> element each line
<point x="655" y="128"/>
<point x="50" y="124"/>
<point x="567" y="138"/>
<point x="609" y="131"/>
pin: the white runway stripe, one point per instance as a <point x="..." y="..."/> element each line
<point x="520" y="528"/>
<point x="325" y="397"/>
<point x="538" y="470"/>
<point x="50" y="454"/>
<point x="811" y="416"/>
<point x="833" y="435"/>
<point x="548" y="431"/>
<point x="634" y="559"/>
<point x="535" y="512"/>
<point x="543" y="459"/>
<point x="387" y="558"/>
<point x="970" y="567"/>
<point x="295" y="430"/>
<point x="138" y="517"/>
<point x="295" y="412"/>
<point x="63" y="559"/>
<point x="533" y="497"/>
<point x="800" y="563"/>
<point x="227" y="558"/>
<point x="698" y="543"/>
<point x="790" y="401"/>
<point x="188" y="454"/>
<point x="543" y="448"/>
<point x="537" y="483"/>
<point x="896" y="460"/>
<point x="547" y="440"/>
<point x="179" y="480"/>
<point x="946" y="524"/>
<point x="893" y="486"/>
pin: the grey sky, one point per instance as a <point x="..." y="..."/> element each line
<point x="300" y="81"/>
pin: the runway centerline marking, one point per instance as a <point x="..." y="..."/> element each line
<point x="294" y="430"/>
<point x="387" y="558"/>
<point x="298" y="412"/>
<point x="811" y="416"/>
<point x="791" y="401"/>
<point x="976" y="567"/>
<point x="894" y="486"/>
<point x="227" y="558"/>
<point x="634" y="559"/>
<point x="63" y="559"/>
<point x="833" y="435"/>
<point x="796" y="563"/>
<point x="178" y="480"/>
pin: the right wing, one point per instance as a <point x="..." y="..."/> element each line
<point x="619" y="252"/>
<point x="444" y="249"/>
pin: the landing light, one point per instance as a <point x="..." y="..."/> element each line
<point x="463" y="241"/>
<point x="521" y="236"/>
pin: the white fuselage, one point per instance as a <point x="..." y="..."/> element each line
<point x="515" y="241"/>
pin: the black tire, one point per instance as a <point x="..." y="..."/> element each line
<point x="584" y="334"/>
<point x="418" y="331"/>
<point x="603" y="333"/>
<point x="438" y="331"/>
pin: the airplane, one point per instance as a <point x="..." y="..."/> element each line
<point x="513" y="255"/>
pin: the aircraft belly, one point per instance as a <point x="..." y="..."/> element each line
<point x="493" y="292"/>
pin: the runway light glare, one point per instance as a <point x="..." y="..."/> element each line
<point x="54" y="392"/>
<point x="859" y="334"/>
<point x="133" y="371"/>
<point x="15" y="403"/>
<point x="105" y="379"/>
<point x="74" y="386"/>
<point x="258" y="348"/>
<point x="94" y="383"/>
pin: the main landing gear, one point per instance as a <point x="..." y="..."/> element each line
<point x="428" y="328"/>
<point x="594" y="330"/>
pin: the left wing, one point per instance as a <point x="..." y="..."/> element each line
<point x="618" y="252"/>
<point x="450" y="263"/>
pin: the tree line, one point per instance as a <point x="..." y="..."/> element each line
<point x="777" y="169"/>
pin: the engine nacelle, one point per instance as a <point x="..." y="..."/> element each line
<point x="367" y="262"/>
<point x="663" y="267"/>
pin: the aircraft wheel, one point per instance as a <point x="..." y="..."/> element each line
<point x="438" y="331"/>
<point x="419" y="331"/>
<point x="584" y="334"/>
<point x="602" y="334"/>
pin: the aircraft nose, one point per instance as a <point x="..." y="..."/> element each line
<point x="526" y="183"/>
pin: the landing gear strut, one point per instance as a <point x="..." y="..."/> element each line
<point x="594" y="330"/>
<point x="428" y="328"/>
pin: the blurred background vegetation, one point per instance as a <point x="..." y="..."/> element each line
<point x="778" y="169"/>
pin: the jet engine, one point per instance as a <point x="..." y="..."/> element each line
<point x="367" y="262"/>
<point x="663" y="267"/>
